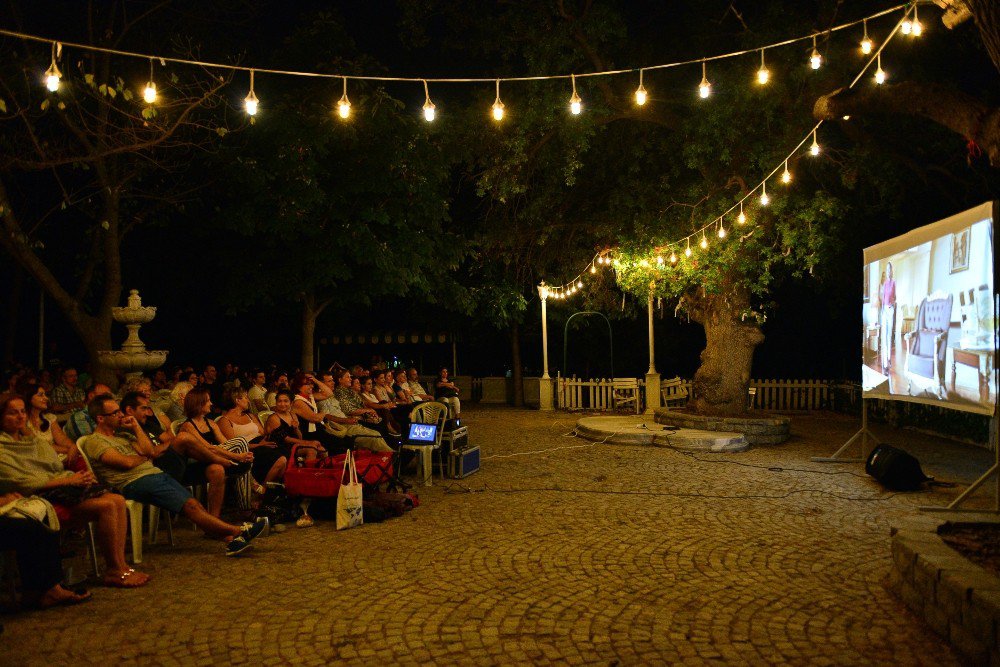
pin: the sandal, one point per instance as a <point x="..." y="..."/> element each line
<point x="127" y="579"/>
<point x="46" y="601"/>
<point x="305" y="521"/>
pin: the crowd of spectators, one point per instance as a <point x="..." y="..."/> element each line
<point x="84" y="448"/>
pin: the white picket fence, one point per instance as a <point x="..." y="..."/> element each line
<point x="782" y="395"/>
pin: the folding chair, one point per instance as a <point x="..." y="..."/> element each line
<point x="429" y="412"/>
<point x="674" y="393"/>
<point x="625" y="391"/>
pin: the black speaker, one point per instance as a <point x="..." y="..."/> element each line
<point x="895" y="469"/>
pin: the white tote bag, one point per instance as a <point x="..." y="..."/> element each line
<point x="350" y="507"/>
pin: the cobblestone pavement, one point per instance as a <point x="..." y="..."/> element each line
<point x="590" y="554"/>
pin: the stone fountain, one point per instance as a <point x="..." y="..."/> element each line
<point x="133" y="358"/>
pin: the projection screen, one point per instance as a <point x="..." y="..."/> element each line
<point x="929" y="315"/>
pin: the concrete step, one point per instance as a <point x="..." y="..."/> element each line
<point x="640" y="430"/>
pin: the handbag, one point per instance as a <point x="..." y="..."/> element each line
<point x="350" y="505"/>
<point x="32" y="508"/>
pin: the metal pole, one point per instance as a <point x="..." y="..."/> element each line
<point x="652" y="358"/>
<point x="543" y="293"/>
<point x="41" y="329"/>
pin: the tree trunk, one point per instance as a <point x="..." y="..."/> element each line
<point x="311" y="309"/>
<point x="97" y="337"/>
<point x="720" y="383"/>
<point x="516" y="373"/>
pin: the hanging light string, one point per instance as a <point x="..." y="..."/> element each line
<point x="602" y="258"/>
<point x="718" y="222"/>
<point x="364" y="77"/>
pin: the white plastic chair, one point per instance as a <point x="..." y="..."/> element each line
<point x="134" y="509"/>
<point x="429" y="412"/>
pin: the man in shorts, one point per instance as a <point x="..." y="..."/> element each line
<point x="124" y="464"/>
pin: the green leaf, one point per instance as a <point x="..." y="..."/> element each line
<point x="127" y="94"/>
<point x="3" y="106"/>
<point x="113" y="93"/>
<point x="105" y="225"/>
<point x="173" y="78"/>
<point x="221" y="131"/>
<point x="147" y="113"/>
<point x="89" y="79"/>
<point x="45" y="104"/>
<point x="103" y="89"/>
<point x="61" y="106"/>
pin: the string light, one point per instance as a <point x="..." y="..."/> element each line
<point x="593" y="268"/>
<point x="815" y="60"/>
<point x="344" y="105"/>
<point x="764" y="199"/>
<point x="659" y="260"/>
<point x="879" y="73"/>
<point x="866" y="43"/>
<point x="786" y="176"/>
<point x="704" y="88"/>
<point x="722" y="230"/>
<point x="906" y="27"/>
<point x="149" y="92"/>
<point x="814" y="149"/>
<point x="429" y="108"/>
<point x="741" y="218"/>
<point x="498" y="107"/>
<point x="52" y="74"/>
<point x="579" y="284"/>
<point x="763" y="75"/>
<point x="251" y="99"/>
<point x="917" y="28"/>
<point x="704" y="241"/>
<point x="640" y="92"/>
<point x="575" y="103"/>
<point x="687" y="250"/>
<point x="673" y="257"/>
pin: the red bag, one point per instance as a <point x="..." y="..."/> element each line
<point x="320" y="478"/>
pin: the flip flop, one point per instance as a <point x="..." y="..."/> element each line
<point x="127" y="579"/>
<point x="68" y="601"/>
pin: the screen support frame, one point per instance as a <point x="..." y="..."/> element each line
<point x="861" y="436"/>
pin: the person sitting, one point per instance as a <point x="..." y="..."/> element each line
<point x="210" y="380"/>
<point x="353" y="405"/>
<point x="415" y="388"/>
<point x="446" y="392"/>
<point x="365" y="392"/>
<point x="401" y="389"/>
<point x="29" y="466"/>
<point x="38" y="560"/>
<point x="239" y="422"/>
<point x="79" y="423"/>
<point x="338" y="429"/>
<point x="257" y="392"/>
<point x="279" y="380"/>
<point x="197" y="406"/>
<point x="160" y="381"/>
<point x="282" y="427"/>
<point x="185" y="458"/>
<point x="45" y="425"/>
<point x="68" y="395"/>
<point x="120" y="454"/>
<point x="174" y="410"/>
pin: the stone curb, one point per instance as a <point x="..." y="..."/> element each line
<point x="957" y="598"/>
<point x="756" y="430"/>
<point x="605" y="429"/>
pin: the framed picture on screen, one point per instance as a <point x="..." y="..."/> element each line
<point x="960" y="251"/>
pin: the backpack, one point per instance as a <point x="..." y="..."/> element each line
<point x="895" y="469"/>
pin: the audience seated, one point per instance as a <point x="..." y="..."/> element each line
<point x="197" y="406"/>
<point x="353" y="405"/>
<point x="331" y="425"/>
<point x="446" y="392"/>
<point x="79" y="422"/>
<point x="120" y="454"/>
<point x="38" y="560"/>
<point x="175" y="409"/>
<point x="239" y="422"/>
<point x="45" y="425"/>
<point x="29" y="466"/>
<point x="257" y="392"/>
<point x="279" y="380"/>
<point x="371" y="400"/>
<point x="68" y="395"/>
<point x="415" y="388"/>
<point x="282" y="427"/>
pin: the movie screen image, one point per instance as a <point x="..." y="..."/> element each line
<point x="929" y="315"/>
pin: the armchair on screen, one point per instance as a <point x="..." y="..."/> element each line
<point x="927" y="344"/>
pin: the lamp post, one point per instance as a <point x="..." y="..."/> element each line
<point x="652" y="377"/>
<point x="545" y="395"/>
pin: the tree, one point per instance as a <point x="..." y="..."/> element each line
<point x="83" y="166"/>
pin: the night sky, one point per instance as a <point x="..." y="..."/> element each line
<point x="177" y="273"/>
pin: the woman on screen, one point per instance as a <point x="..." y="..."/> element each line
<point x="887" y="297"/>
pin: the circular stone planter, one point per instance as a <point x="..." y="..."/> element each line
<point x="756" y="430"/>
<point x="641" y="430"/>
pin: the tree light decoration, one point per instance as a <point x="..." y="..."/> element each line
<point x="579" y="284"/>
<point x="879" y="73"/>
<point x="344" y="105"/>
<point x="673" y="257"/>
<point x="917" y="28"/>
<point x="906" y="27"/>
<point x="722" y="230"/>
<point x="593" y="269"/>
<point x="429" y="109"/>
<point x="704" y="88"/>
<point x="814" y="149"/>
<point x="764" y="199"/>
<point x="815" y="60"/>
<point x="659" y="260"/>
<point x="687" y="250"/>
<point x="704" y="241"/>
<point x="52" y="74"/>
<point x="149" y="92"/>
<point x="763" y="74"/>
<point x="866" y="42"/>
<point x="741" y="218"/>
<point x="786" y="176"/>
<point x="575" y="103"/>
<point x="640" y="92"/>
<point x="250" y="102"/>
<point x="498" y="107"/>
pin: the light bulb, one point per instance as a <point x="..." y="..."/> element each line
<point x="593" y="269"/>
<point x="251" y="104"/>
<point x="673" y="257"/>
<point x="344" y="107"/>
<point x="722" y="232"/>
<point x="879" y="76"/>
<point x="741" y="218"/>
<point x="575" y="103"/>
<point x="917" y="28"/>
<point x="52" y="74"/>
<point x="866" y="46"/>
<point x="498" y="107"/>
<point x="704" y="241"/>
<point x="763" y="75"/>
<point x="815" y="60"/>
<point x="687" y="250"/>
<point x="786" y="176"/>
<point x="640" y="95"/>
<point x="149" y="93"/>
<point x="906" y="27"/>
<point x="579" y="284"/>
<point x="429" y="110"/>
<point x="659" y="259"/>
<point x="704" y="88"/>
<point x="764" y="199"/>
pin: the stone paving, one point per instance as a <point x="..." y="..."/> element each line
<point x="588" y="554"/>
